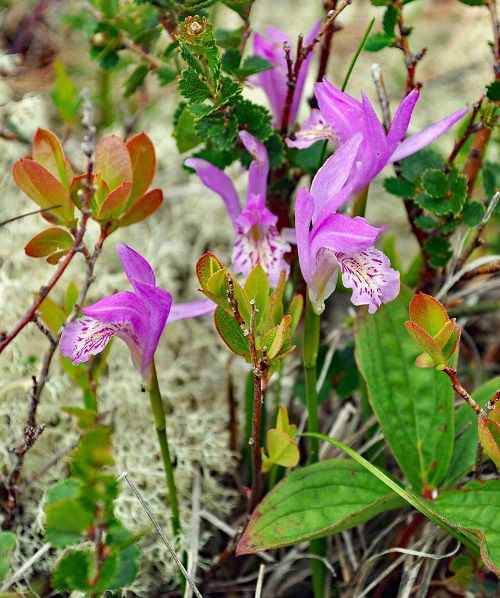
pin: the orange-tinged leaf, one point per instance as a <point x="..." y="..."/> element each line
<point x="54" y="258"/>
<point x="49" y="241"/>
<point x="207" y="265"/>
<point x="452" y="343"/>
<point x="143" y="160"/>
<point x="112" y="160"/>
<point x="424" y="360"/>
<point x="489" y="436"/>
<point x="443" y="336"/>
<point x="428" y="313"/>
<point x="142" y="208"/>
<point x="44" y="189"/>
<point x="425" y="341"/>
<point x="115" y="202"/>
<point x="48" y="151"/>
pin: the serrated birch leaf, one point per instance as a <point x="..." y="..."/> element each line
<point x="316" y="501"/>
<point x="414" y="406"/>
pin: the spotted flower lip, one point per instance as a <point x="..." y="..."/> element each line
<point x="257" y="239"/>
<point x="274" y="81"/>
<point x="340" y="117"/>
<point x="137" y="317"/>
<point x="336" y="242"/>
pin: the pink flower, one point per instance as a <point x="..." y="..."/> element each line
<point x="274" y="81"/>
<point x="137" y="317"/>
<point x="257" y="238"/>
<point x="337" y="243"/>
<point x="340" y="117"/>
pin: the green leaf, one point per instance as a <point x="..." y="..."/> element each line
<point x="413" y="166"/>
<point x="426" y="222"/>
<point x="493" y="91"/>
<point x="128" y="554"/>
<point x="252" y="65"/>
<point x="166" y="74"/>
<point x="185" y="132"/>
<point x="231" y="60"/>
<point x="230" y="332"/>
<point x="414" y="406"/>
<point x="473" y="2"/>
<point x="206" y="266"/>
<point x="475" y="507"/>
<point x="257" y="288"/>
<point x="435" y="182"/>
<point x="438" y="206"/>
<point x="220" y="131"/>
<point x="378" y="41"/>
<point x="282" y="450"/>
<point x="315" y="501"/>
<point x="491" y="178"/>
<point x="457" y="186"/>
<point x="53" y="315"/>
<point x="390" y="19"/>
<point x="399" y="187"/>
<point x="135" y="79"/>
<point x="93" y="452"/>
<point x="64" y="94"/>
<point x="253" y="118"/>
<point x="65" y="521"/>
<point x="379" y="2"/>
<point x="439" y="250"/>
<point x="192" y="87"/>
<point x="73" y="570"/>
<point x="7" y="543"/>
<point x="473" y="213"/>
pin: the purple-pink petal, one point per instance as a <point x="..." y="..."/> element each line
<point x="216" y="180"/>
<point x="423" y="138"/>
<point x="401" y="120"/>
<point x="259" y="167"/>
<point x="343" y="113"/>
<point x="135" y="266"/>
<point x="315" y="128"/>
<point x="191" y="309"/>
<point x="342" y="233"/>
<point x="304" y="208"/>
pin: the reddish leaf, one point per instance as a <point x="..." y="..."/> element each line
<point x="48" y="241"/>
<point x="101" y="191"/>
<point x="44" y="189"/>
<point x="443" y="336"/>
<point x="112" y="160"/>
<point x="425" y="341"/>
<point x="452" y="343"/>
<point x="55" y="257"/>
<point x="142" y="208"/>
<point x="428" y="313"/>
<point x="48" y="151"/>
<point x="143" y="159"/>
<point x="115" y="202"/>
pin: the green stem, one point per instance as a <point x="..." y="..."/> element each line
<point x="357" y="53"/>
<point x="161" y="432"/>
<point x="310" y="359"/>
<point x="359" y="205"/>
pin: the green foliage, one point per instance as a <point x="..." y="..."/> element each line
<point x="135" y="79"/>
<point x="192" y="87"/>
<point x="439" y="251"/>
<point x="390" y="19"/>
<point x="65" y="96"/>
<point x="378" y="41"/>
<point x="473" y="213"/>
<point x="491" y="178"/>
<point x="7" y="543"/>
<point x="473" y="2"/>
<point x="315" y="501"/>
<point x="415" y="165"/>
<point x="493" y="91"/>
<point x="399" y="187"/>
<point x="81" y="508"/>
<point x="413" y="406"/>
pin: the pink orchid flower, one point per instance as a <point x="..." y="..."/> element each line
<point x="337" y="243"/>
<point x="274" y="81"/>
<point x="340" y="117"/>
<point x="257" y="238"/>
<point x="137" y="317"/>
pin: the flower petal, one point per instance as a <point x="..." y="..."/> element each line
<point x="342" y="112"/>
<point x="158" y="302"/>
<point x="191" y="309"/>
<point x="304" y="208"/>
<point x="420" y="140"/>
<point x="259" y="167"/>
<point x="401" y="120"/>
<point x="135" y="266"/>
<point x="216" y="180"/>
<point x="369" y="274"/>
<point x="315" y="128"/>
<point x="342" y="233"/>
<point x="86" y="337"/>
<point x="331" y="177"/>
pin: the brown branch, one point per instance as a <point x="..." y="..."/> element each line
<point x="486" y="269"/>
<point x="475" y="157"/>
<point x="301" y="54"/>
<point x="14" y="218"/>
<point x="459" y="389"/>
<point x="411" y="59"/>
<point x="153" y="62"/>
<point x="469" y="130"/>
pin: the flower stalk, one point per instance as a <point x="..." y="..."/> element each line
<point x="161" y="432"/>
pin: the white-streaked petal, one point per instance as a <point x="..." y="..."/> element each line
<point x="370" y="276"/>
